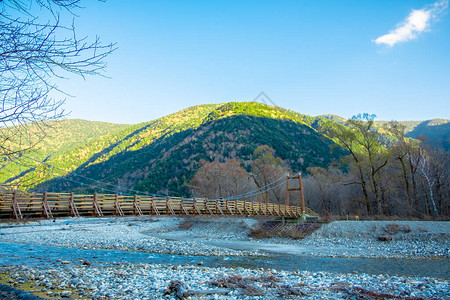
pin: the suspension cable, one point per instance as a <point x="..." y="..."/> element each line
<point x="266" y="188"/>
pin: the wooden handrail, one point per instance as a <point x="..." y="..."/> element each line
<point x="17" y="205"/>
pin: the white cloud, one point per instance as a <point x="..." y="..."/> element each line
<point x="417" y="22"/>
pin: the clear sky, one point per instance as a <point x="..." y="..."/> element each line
<point x="389" y="58"/>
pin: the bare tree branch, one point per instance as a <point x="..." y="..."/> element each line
<point x="33" y="53"/>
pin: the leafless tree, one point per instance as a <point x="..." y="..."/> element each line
<point x="367" y="138"/>
<point x="221" y="180"/>
<point x="326" y="194"/>
<point x="406" y="152"/>
<point x="441" y="171"/>
<point x="425" y="168"/>
<point x="34" y="52"/>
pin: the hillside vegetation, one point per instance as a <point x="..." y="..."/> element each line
<point x="160" y="156"/>
<point x="163" y="155"/>
<point x="256" y="141"/>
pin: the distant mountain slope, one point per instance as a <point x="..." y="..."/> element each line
<point x="334" y="118"/>
<point x="96" y="150"/>
<point x="63" y="138"/>
<point x="67" y="134"/>
<point x="436" y="132"/>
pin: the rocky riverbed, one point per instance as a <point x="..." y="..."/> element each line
<point x="111" y="233"/>
<point x="150" y="281"/>
<point x="223" y="239"/>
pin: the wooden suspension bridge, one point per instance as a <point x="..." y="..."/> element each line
<point x="21" y="205"/>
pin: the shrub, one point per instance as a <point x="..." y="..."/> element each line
<point x="185" y="225"/>
<point x="391" y="229"/>
<point x="247" y="285"/>
<point x="405" y="229"/>
<point x="271" y="229"/>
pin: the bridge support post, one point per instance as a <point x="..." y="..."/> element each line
<point x="137" y="208"/>
<point x="73" y="208"/>
<point x="195" y="207"/>
<point x="16" y="207"/>
<point x="208" y="208"/>
<point x="300" y="189"/>
<point x="169" y="207"/>
<point x="287" y="189"/>
<point x="46" y="208"/>
<point x="182" y="208"/>
<point x="117" y="207"/>
<point x="97" y="208"/>
<point x="218" y="208"/>
<point x="302" y="197"/>
<point x="154" y="208"/>
<point x="236" y="205"/>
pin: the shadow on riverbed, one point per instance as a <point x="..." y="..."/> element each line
<point x="7" y="292"/>
<point x="48" y="256"/>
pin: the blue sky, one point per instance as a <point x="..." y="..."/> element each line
<point x="389" y="58"/>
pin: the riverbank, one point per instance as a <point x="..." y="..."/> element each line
<point x="229" y="237"/>
<point x="225" y="239"/>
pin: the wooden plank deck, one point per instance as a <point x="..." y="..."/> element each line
<point x="19" y="205"/>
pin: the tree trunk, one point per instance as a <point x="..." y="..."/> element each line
<point x="383" y="193"/>
<point x="438" y="186"/>
<point x="415" y="199"/>
<point x="376" y="191"/>
<point x="407" y="185"/>
<point x="364" y="188"/>
<point x="430" y="188"/>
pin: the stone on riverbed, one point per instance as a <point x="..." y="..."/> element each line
<point x="385" y="238"/>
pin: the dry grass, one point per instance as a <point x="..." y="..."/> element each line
<point x="360" y="293"/>
<point x="247" y="285"/>
<point x="271" y="229"/>
<point x="286" y="291"/>
<point x="393" y="229"/>
<point x="185" y="225"/>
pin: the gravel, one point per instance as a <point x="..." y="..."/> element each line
<point x="410" y="240"/>
<point x="150" y="281"/>
<point x="225" y="237"/>
<point x="130" y="234"/>
<point x="229" y="237"/>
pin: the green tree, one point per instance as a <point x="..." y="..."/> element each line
<point x="346" y="138"/>
<point x="404" y="151"/>
<point x="367" y="139"/>
<point x="267" y="168"/>
<point x="361" y="140"/>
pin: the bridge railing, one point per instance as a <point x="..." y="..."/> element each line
<point x="19" y="205"/>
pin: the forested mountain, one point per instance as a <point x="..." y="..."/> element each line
<point x="63" y="138"/>
<point x="162" y="156"/>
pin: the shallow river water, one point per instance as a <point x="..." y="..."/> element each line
<point x="48" y="256"/>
